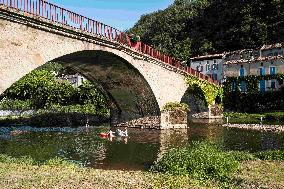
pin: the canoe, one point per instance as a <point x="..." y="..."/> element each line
<point x="104" y="134"/>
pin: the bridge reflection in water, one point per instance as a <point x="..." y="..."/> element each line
<point x="138" y="152"/>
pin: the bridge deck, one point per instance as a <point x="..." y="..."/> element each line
<point x="82" y="25"/>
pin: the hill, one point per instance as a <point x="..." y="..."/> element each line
<point x="193" y="27"/>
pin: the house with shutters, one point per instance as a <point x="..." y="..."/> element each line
<point x="268" y="60"/>
<point x="211" y="65"/>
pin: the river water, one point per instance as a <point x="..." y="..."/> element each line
<point x="137" y="152"/>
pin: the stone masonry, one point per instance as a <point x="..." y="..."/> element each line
<point x="28" y="41"/>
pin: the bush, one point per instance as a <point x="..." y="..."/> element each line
<point x="270" y="155"/>
<point x="243" y="115"/>
<point x="275" y="116"/>
<point x="20" y="105"/>
<point x="200" y="160"/>
<point x="171" y="106"/>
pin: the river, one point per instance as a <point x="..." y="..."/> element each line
<point x="137" y="152"/>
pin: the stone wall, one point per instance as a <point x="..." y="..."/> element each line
<point x="176" y="119"/>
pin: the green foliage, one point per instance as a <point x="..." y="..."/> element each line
<point x="242" y="115"/>
<point x="40" y="90"/>
<point x="242" y="156"/>
<point x="21" y="105"/>
<point x="53" y="67"/>
<point x="170" y="106"/>
<point x="252" y="100"/>
<point x="188" y="28"/>
<point x="277" y="155"/>
<point x="272" y="116"/>
<point x="60" y="162"/>
<point x="25" y="160"/>
<point x="28" y="161"/>
<point x="276" y="116"/>
<point x="200" y="160"/>
<point x="252" y="82"/>
<point x="204" y="90"/>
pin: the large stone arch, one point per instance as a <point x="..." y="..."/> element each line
<point x="131" y="95"/>
<point x="27" y="43"/>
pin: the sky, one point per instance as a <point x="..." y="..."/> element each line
<point x="120" y="14"/>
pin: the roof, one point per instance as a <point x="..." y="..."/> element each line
<point x="238" y="52"/>
<point x="272" y="46"/>
<point x="208" y="57"/>
<point x="254" y="60"/>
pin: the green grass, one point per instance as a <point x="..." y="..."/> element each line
<point x="25" y="172"/>
<point x="261" y="174"/>
<point x="200" y="160"/>
<point x="271" y="117"/>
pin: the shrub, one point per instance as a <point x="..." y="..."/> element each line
<point x="171" y="106"/>
<point x="20" y="105"/>
<point x="200" y="160"/>
<point x="270" y="155"/>
<point x="277" y="116"/>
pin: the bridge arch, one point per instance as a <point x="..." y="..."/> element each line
<point x="29" y="40"/>
<point x="131" y="95"/>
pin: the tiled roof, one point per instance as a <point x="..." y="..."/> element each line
<point x="272" y="46"/>
<point x="254" y="60"/>
<point x="210" y="56"/>
<point x="238" y="52"/>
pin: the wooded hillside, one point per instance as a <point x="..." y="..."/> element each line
<point x="189" y="28"/>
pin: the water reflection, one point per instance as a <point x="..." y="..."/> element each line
<point x="138" y="151"/>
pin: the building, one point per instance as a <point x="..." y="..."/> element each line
<point x="211" y="65"/>
<point x="268" y="60"/>
<point x="75" y="80"/>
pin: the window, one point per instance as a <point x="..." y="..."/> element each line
<point x="262" y="82"/>
<point x="242" y="72"/>
<point x="273" y="84"/>
<point x="234" y="86"/>
<point x="199" y="68"/>
<point x="261" y="71"/>
<point x="207" y="67"/>
<point x="272" y="70"/>
<point x="243" y="86"/>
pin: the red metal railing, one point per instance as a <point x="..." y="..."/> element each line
<point x="65" y="17"/>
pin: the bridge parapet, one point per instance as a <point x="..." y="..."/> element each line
<point x="94" y="30"/>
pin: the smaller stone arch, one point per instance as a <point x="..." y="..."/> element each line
<point x="125" y="86"/>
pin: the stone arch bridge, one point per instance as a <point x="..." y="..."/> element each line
<point x="137" y="78"/>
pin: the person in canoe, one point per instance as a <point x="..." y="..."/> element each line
<point x="122" y="133"/>
<point x="108" y="134"/>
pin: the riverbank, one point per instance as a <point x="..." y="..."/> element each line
<point x="271" y="117"/>
<point x="252" y="174"/>
<point x="259" y="127"/>
<point x="54" y="119"/>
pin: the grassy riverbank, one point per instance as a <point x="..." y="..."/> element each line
<point x="270" y="117"/>
<point x="67" y="116"/>
<point x="252" y="174"/>
<point x="199" y="165"/>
